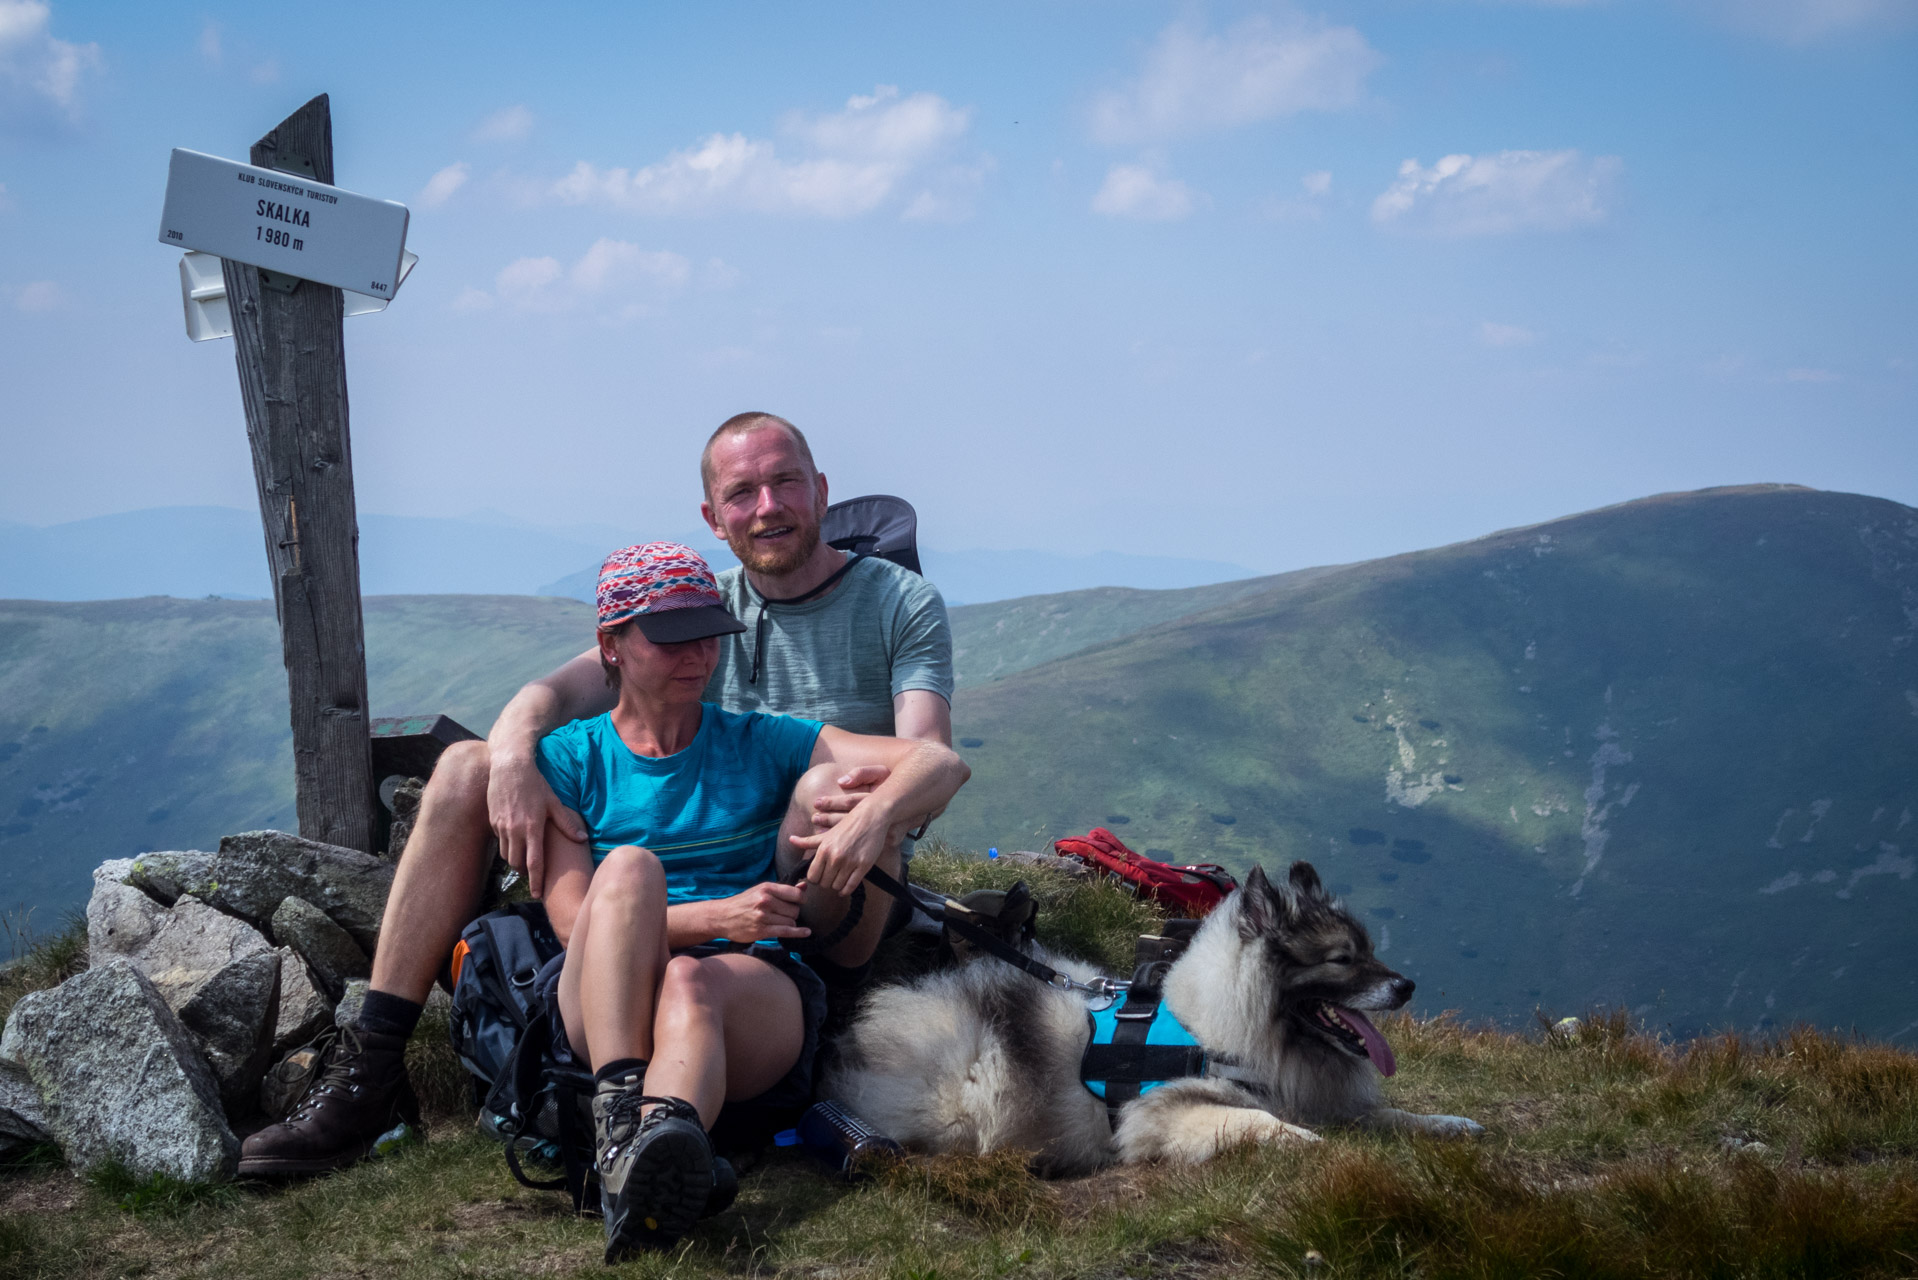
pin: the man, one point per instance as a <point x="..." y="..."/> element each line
<point x="863" y="646"/>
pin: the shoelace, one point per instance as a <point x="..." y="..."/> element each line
<point x="624" y="1123"/>
<point x="337" y="1074"/>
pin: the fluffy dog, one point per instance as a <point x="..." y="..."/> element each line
<point x="1275" y="987"/>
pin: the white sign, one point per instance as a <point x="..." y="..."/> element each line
<point x="284" y="222"/>
<point x="203" y="290"/>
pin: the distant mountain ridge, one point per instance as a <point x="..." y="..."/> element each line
<point x="192" y="552"/>
<point x="1664" y="753"/>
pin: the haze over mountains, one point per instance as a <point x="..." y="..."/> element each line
<point x="1664" y="754"/>
<point x="193" y="552"/>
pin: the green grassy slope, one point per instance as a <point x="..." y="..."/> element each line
<point x="1666" y="752"/>
<point x="162" y="724"/>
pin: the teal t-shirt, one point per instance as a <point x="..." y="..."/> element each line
<point x="709" y="813"/>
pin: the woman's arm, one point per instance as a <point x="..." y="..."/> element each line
<point x="921" y="779"/>
<point x="767" y="910"/>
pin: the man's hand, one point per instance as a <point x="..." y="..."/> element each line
<point x="768" y="910"/>
<point x="842" y="855"/>
<point x="855" y="785"/>
<point x="519" y="804"/>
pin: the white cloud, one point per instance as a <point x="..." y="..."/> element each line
<point x="1466" y="195"/>
<point x="40" y="77"/>
<point x="881" y="146"/>
<point x="210" y="42"/>
<point x="267" y="72"/>
<point x="41" y="295"/>
<point x="509" y="124"/>
<point x="1810" y="375"/>
<point x="440" y="187"/>
<point x="1260" y="70"/>
<point x="1317" y="183"/>
<point x="1494" y="334"/>
<point x="1135" y="191"/>
<point x="613" y="275"/>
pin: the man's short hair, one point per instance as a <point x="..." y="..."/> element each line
<point x="739" y="424"/>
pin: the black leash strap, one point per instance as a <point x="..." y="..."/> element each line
<point x="949" y="913"/>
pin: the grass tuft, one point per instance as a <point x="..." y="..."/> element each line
<point x="997" y="1191"/>
<point x="1095" y="921"/>
<point x="38" y="961"/>
<point x="156" y="1193"/>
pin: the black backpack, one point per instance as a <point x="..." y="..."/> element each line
<point x="540" y="1111"/>
<point x="875" y="525"/>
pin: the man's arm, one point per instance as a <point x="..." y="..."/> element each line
<point x="518" y="802"/>
<point x="922" y="715"/>
<point x="921" y="779"/>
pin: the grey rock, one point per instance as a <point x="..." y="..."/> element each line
<point x="112" y="871"/>
<point x="185" y="947"/>
<point x="335" y="957"/>
<point x="120" y="1077"/>
<point x="165" y="876"/>
<point x="257" y="870"/>
<point x="234" y="1013"/>
<point x="1072" y="868"/>
<point x="406" y="811"/>
<point x="23" y="1118"/>
<point x="350" y="1001"/>
<point x="304" y="1009"/>
<point x="121" y="921"/>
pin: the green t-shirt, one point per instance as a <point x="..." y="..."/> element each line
<point x="841" y="658"/>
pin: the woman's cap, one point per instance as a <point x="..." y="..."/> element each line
<point x="666" y="588"/>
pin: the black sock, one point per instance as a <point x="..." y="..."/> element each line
<point x="619" y="1067"/>
<point x="388" y="1014"/>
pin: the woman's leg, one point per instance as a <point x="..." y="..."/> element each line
<point x="728" y="1026"/>
<point x="609" y="984"/>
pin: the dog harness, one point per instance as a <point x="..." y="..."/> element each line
<point x="1138" y="1045"/>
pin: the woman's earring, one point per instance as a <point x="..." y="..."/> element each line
<point x="614" y="660"/>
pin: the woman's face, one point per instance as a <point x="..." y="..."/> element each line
<point x="670" y="673"/>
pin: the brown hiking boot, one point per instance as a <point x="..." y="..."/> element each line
<point x="361" y="1103"/>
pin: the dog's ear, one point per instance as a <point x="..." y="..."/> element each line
<point x="1305" y="880"/>
<point x="1257" y="904"/>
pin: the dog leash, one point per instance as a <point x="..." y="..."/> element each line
<point x="952" y="915"/>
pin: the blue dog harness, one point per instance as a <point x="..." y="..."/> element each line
<point x="1137" y="1045"/>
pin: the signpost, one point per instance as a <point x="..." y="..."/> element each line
<point x="290" y="241"/>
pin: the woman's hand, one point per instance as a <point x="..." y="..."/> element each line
<point x="768" y="910"/>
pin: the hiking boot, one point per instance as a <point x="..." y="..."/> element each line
<point x="656" y="1171"/>
<point x="361" y="1103"/>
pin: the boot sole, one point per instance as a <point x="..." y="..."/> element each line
<point x="667" y="1186"/>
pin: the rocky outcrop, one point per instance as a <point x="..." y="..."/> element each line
<point x="335" y="957"/>
<point x="255" y="871"/>
<point x="165" y="876"/>
<point x="304" y="1009"/>
<point x="234" y="1013"/>
<point x="23" y="1118"/>
<point x="120" y="1077"/>
<point x="180" y="948"/>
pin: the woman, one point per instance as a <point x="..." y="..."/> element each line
<point x="676" y="986"/>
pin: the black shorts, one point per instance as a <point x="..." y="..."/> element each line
<point x="793" y="1092"/>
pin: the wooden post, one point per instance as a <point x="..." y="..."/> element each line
<point x="292" y="361"/>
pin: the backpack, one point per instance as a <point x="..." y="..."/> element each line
<point x="539" y="1110"/>
<point x="1191" y="890"/>
<point x="876" y="525"/>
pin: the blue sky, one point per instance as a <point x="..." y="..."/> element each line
<point x="1272" y="284"/>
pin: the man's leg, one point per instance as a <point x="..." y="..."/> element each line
<point x="822" y="911"/>
<point x="441" y="876"/>
<point x="362" y="1094"/>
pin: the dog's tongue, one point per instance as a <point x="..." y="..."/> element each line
<point x="1375" y="1047"/>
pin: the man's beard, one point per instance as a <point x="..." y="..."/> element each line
<point x="777" y="561"/>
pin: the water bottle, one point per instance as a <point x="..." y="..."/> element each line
<point x="841" y="1140"/>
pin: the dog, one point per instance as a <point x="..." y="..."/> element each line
<point x="1275" y="987"/>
